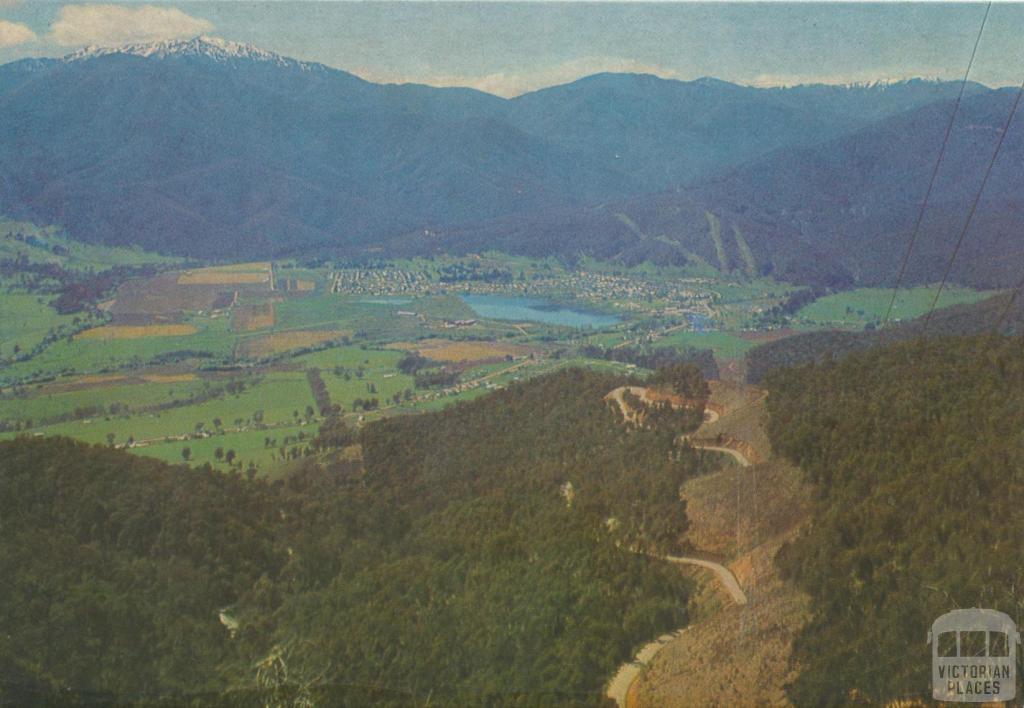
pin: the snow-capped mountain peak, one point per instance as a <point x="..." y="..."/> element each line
<point x="214" y="48"/>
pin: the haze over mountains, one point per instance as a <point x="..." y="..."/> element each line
<point x="213" y="149"/>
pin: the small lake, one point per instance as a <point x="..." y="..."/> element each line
<point x="526" y="309"/>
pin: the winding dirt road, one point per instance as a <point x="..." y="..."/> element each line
<point x="618" y="688"/>
<point x="618" y="396"/>
<point x="724" y="575"/>
<point x="735" y="454"/>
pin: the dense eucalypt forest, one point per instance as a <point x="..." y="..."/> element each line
<point x="483" y="553"/>
<point x="917" y="455"/>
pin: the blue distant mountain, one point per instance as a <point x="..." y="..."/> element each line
<point x="838" y="213"/>
<point x="215" y="149"/>
<point x="665" y="133"/>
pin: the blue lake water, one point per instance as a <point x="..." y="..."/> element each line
<point x="526" y="309"/>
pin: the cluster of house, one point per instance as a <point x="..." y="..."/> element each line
<point x="631" y="291"/>
<point x="455" y="324"/>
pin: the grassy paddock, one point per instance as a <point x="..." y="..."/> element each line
<point x="249" y="446"/>
<point x="89" y="355"/>
<point x="47" y="405"/>
<point x="856" y="308"/>
<point x="25" y="319"/>
<point x="50" y="245"/>
<point x="725" y="345"/>
<point x="275" y="398"/>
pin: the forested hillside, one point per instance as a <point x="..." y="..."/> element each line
<point x="114" y="568"/>
<point x="478" y="555"/>
<point x="916" y="452"/>
<point x="1004" y="311"/>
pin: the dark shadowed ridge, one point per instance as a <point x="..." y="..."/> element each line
<point x="833" y="214"/>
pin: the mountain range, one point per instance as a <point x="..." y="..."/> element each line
<point x="214" y="149"/>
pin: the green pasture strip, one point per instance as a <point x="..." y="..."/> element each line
<point x="278" y="396"/>
<point x="42" y="406"/>
<point x="724" y="344"/>
<point x="249" y="446"/>
<point x="49" y="245"/>
<point x="364" y="320"/>
<point x="26" y="319"/>
<point x="855" y="308"/>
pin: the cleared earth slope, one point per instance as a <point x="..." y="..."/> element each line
<point x="735" y="654"/>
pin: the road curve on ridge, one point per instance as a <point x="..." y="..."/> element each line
<point x="724" y="575"/>
<point x="735" y="454"/>
<point x="618" y="396"/>
<point x="618" y="688"/>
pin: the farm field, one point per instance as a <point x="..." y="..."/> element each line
<point x="352" y="373"/>
<point x="117" y="392"/>
<point x="370" y="319"/>
<point x="271" y="401"/>
<point x="727" y="345"/>
<point x="108" y="332"/>
<point x="237" y="274"/>
<point x="28" y="319"/>
<point x="608" y="339"/>
<point x="462" y="351"/>
<point x="250" y="447"/>
<point x="443" y="401"/>
<point x="381" y="384"/>
<point x="264" y="345"/>
<point x="350" y="357"/>
<point x="491" y="376"/>
<point x="250" y="318"/>
<point x="485" y="370"/>
<point x="25" y="320"/>
<point x="211" y="339"/>
<point x="857" y="308"/>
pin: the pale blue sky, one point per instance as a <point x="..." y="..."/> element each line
<point x="508" y="48"/>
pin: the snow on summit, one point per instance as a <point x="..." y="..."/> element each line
<point x="214" y="48"/>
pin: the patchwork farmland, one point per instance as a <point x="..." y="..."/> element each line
<point x="234" y="366"/>
<point x="190" y="362"/>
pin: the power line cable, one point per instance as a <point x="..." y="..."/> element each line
<point x="1009" y="304"/>
<point x="935" y="173"/>
<point x="974" y="206"/>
